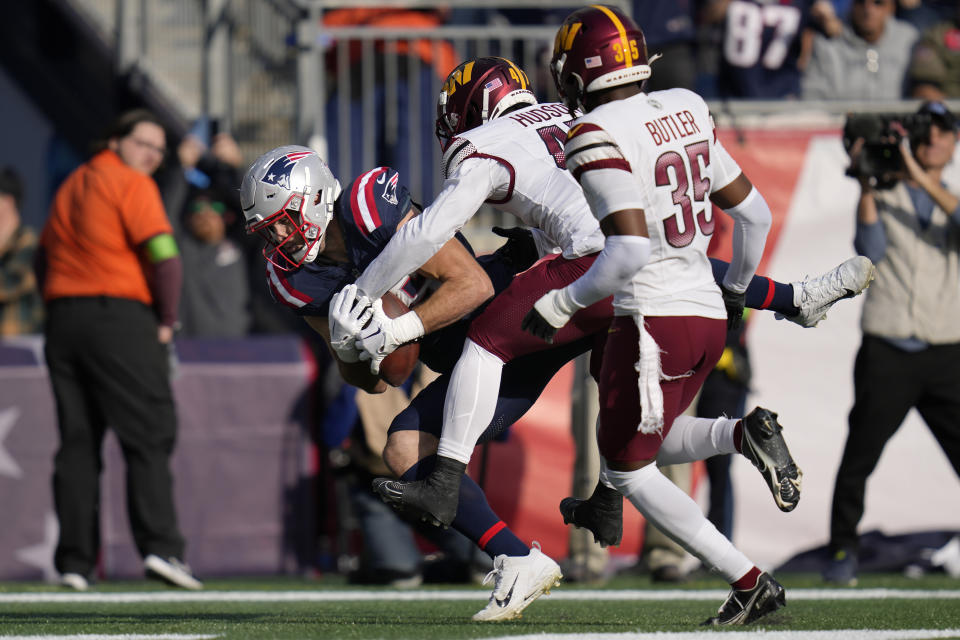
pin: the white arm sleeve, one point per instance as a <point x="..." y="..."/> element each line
<point x="621" y="258"/>
<point x="475" y="180"/>
<point x="752" y="221"/>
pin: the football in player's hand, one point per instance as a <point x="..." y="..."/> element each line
<point x="397" y="367"/>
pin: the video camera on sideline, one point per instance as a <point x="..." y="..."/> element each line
<point x="880" y="159"/>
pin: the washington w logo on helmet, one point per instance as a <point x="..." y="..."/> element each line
<point x="279" y="172"/>
<point x="597" y="47"/>
<point x="478" y="91"/>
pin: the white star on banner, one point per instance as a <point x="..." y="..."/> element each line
<point x="8" y="466"/>
<point x="41" y="555"/>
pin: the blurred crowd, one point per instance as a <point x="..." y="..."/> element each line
<point x="796" y="49"/>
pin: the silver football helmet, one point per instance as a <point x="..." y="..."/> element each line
<point x="287" y="197"/>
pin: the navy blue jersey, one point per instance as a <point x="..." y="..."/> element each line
<point x="367" y="211"/>
<point x="761" y="48"/>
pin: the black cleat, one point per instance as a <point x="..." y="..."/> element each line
<point x="744" y="607"/>
<point x="764" y="446"/>
<point x="601" y="514"/>
<point x="433" y="499"/>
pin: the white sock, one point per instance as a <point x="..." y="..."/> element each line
<point x="691" y="439"/>
<point x="471" y="401"/>
<point x="676" y="514"/>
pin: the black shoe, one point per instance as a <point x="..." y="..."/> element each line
<point x="744" y="607"/>
<point x="601" y="514"/>
<point x="433" y="499"/>
<point x="764" y="446"/>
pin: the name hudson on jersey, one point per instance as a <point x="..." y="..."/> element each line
<point x="672" y="127"/>
<point x="541" y="114"/>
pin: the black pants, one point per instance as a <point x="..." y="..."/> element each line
<point x="107" y="369"/>
<point x="887" y="383"/>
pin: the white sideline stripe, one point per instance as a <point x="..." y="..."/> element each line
<point x="760" y="634"/>
<point x="121" y="636"/>
<point x="471" y="595"/>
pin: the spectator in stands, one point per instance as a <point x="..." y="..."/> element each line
<point x="826" y="14"/>
<point x="935" y="67"/>
<point x="924" y="14"/>
<point x="208" y="159"/>
<point x="671" y="30"/>
<point x="21" y="310"/>
<point x="110" y="273"/>
<point x="911" y="337"/>
<point x="764" y="46"/>
<point x="403" y="91"/>
<point x="868" y="61"/>
<point x="216" y="288"/>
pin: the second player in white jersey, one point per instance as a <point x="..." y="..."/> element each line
<point x="659" y="153"/>
<point x="516" y="164"/>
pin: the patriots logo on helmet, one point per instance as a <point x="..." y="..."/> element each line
<point x="390" y="190"/>
<point x="279" y="172"/>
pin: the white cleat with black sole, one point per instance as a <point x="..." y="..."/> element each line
<point x="518" y="581"/>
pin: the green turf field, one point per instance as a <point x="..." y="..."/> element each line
<point x="627" y="608"/>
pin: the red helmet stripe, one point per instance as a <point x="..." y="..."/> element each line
<point x="625" y="44"/>
<point x="365" y="214"/>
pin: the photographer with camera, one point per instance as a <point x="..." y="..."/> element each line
<point x="908" y="223"/>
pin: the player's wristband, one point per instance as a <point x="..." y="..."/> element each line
<point x="407" y="327"/>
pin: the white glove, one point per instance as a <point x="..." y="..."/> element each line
<point x="385" y="334"/>
<point x="348" y="314"/>
<point x="549" y="314"/>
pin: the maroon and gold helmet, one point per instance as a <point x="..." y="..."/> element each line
<point x="477" y="91"/>
<point x="597" y="47"/>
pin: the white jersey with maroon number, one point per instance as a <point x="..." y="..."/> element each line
<point x="534" y="184"/>
<point x="665" y="140"/>
<point x="516" y="164"/>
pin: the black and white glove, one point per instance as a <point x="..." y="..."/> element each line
<point x="734" y="303"/>
<point x="549" y="314"/>
<point x="348" y="314"/>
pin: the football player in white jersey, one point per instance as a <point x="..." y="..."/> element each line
<point x="503" y="148"/>
<point x="650" y="165"/>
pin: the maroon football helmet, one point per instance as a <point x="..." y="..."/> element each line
<point x="597" y="47"/>
<point x="477" y="91"/>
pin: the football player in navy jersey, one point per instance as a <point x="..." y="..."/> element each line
<point x="319" y="238"/>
